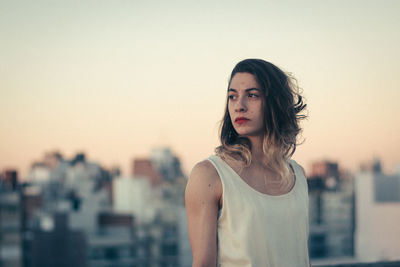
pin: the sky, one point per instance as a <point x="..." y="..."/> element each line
<point x="116" y="78"/>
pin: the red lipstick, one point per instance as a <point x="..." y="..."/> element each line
<point x="241" y="120"/>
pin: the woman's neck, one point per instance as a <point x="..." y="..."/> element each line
<point x="257" y="153"/>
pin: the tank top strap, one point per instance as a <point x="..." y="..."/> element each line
<point x="301" y="178"/>
<point x="230" y="178"/>
<point x="222" y="170"/>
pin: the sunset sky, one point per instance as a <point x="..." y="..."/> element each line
<point x="116" y="78"/>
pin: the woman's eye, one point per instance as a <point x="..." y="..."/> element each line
<point x="253" y="95"/>
<point x="231" y="96"/>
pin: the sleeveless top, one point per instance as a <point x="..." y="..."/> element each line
<point x="256" y="229"/>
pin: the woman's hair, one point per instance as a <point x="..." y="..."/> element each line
<point x="282" y="105"/>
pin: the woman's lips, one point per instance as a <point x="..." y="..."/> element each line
<point x="241" y="120"/>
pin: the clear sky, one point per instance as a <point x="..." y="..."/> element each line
<point x="116" y="78"/>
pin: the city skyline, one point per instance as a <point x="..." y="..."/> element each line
<point x="106" y="78"/>
<point x="76" y="196"/>
<point x="127" y="171"/>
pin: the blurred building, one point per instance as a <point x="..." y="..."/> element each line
<point x="173" y="192"/>
<point x="168" y="166"/>
<point x="324" y="175"/>
<point x="115" y="244"/>
<point x="331" y="196"/>
<point x="373" y="166"/>
<point x="118" y="221"/>
<point x="135" y="195"/>
<point x="145" y="168"/>
<point x="378" y="215"/>
<point x="10" y="220"/>
<point x="85" y="195"/>
<point x="31" y="202"/>
<point x="9" y="180"/>
<point x="78" y="188"/>
<point x="166" y="163"/>
<point x="54" y="244"/>
<point x="154" y="195"/>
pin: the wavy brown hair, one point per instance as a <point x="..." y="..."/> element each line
<point x="282" y="107"/>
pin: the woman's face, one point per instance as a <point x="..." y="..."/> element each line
<point x="245" y="105"/>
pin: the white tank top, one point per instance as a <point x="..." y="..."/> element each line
<point x="256" y="229"/>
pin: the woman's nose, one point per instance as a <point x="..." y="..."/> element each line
<point x="241" y="105"/>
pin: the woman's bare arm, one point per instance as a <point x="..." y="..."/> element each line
<point x="202" y="195"/>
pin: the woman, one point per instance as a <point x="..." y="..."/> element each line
<point x="248" y="204"/>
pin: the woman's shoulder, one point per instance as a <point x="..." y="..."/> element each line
<point x="204" y="181"/>
<point x="300" y="167"/>
<point x="205" y="171"/>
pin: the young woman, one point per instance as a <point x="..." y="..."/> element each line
<point x="248" y="204"/>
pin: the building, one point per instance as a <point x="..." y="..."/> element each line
<point x="116" y="221"/>
<point x="377" y="216"/>
<point x="331" y="208"/>
<point x="134" y="195"/>
<point x="324" y="175"/>
<point x="145" y="168"/>
<point x="54" y="244"/>
<point x="77" y="188"/>
<point x="155" y="196"/>
<point x="166" y="163"/>
<point x="115" y="243"/>
<point x="10" y="220"/>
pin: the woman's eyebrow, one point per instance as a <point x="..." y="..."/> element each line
<point x="248" y="89"/>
